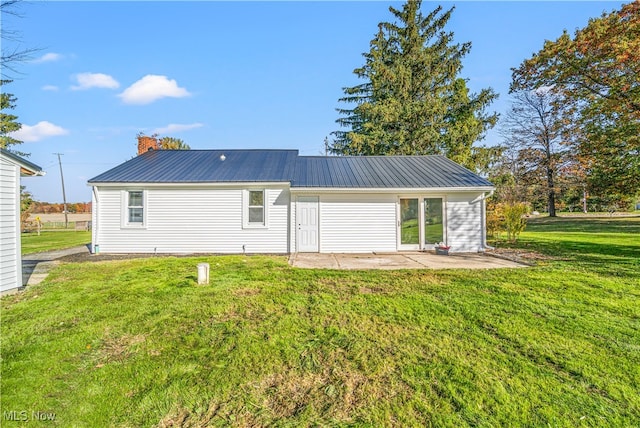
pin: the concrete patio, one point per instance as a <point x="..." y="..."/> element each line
<point x="404" y="260"/>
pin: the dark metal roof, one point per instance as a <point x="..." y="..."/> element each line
<point x="383" y="172"/>
<point x="204" y="166"/>
<point x="25" y="164"/>
<point x="207" y="166"/>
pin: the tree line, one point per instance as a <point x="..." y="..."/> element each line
<point x="571" y="138"/>
<point x="37" y="207"/>
<point x="573" y="129"/>
<point x="571" y="135"/>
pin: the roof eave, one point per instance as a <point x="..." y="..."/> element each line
<point x="391" y="189"/>
<point x="26" y="168"/>
<point x="31" y="173"/>
<point x="187" y="183"/>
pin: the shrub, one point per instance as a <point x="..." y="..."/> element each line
<point x="514" y="219"/>
<point x="495" y="220"/>
<point x="506" y="217"/>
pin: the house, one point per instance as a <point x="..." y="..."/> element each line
<point x="276" y="201"/>
<point x="12" y="167"/>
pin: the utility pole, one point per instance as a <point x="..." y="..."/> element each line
<point x="64" y="196"/>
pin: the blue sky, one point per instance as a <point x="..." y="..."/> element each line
<point x="227" y="75"/>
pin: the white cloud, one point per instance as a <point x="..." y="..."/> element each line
<point x="176" y="127"/>
<point x="94" y="80"/>
<point x="151" y="88"/>
<point x="48" y="57"/>
<point x="50" y="88"/>
<point x="39" y="131"/>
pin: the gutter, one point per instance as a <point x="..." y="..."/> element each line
<point x="216" y="184"/>
<point x="394" y="190"/>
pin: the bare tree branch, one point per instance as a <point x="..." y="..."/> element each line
<point x="14" y="55"/>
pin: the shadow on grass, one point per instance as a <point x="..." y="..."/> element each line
<point x="588" y="225"/>
<point x="606" y="255"/>
<point x="566" y="248"/>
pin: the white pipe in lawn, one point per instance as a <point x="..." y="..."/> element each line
<point x="203" y="273"/>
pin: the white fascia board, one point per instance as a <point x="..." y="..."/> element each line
<point x="243" y="184"/>
<point x="390" y="190"/>
<point x="27" y="169"/>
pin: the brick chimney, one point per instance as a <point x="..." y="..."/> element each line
<point x="146" y="143"/>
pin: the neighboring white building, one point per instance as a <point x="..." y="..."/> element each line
<point x="12" y="167"/>
<point x="275" y="201"/>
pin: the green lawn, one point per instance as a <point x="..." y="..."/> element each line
<point x="138" y="343"/>
<point x="32" y="243"/>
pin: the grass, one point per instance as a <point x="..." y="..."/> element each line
<point x="138" y="343"/>
<point x="58" y="240"/>
<point x="606" y="245"/>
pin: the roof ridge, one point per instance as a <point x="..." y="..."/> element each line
<point x="225" y="150"/>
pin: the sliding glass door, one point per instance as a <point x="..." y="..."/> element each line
<point x="433" y="221"/>
<point x="421" y="223"/>
<point x="409" y="224"/>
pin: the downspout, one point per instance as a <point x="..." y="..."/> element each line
<point x="484" y="221"/>
<point x="94" y="222"/>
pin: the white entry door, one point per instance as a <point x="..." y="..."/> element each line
<point x="307" y="219"/>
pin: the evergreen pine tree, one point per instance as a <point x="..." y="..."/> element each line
<point x="412" y="101"/>
<point x="8" y="122"/>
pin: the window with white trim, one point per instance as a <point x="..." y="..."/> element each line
<point x="255" y="208"/>
<point x="135" y="207"/>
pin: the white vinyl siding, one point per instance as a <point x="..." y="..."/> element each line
<point x="357" y="223"/>
<point x="191" y="219"/>
<point x="293" y="222"/>
<point x="10" y="259"/>
<point x="182" y="219"/>
<point x="464" y="222"/>
<point x="361" y="223"/>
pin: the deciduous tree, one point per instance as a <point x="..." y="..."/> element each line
<point x="167" y="143"/>
<point x="170" y="143"/>
<point x="12" y="51"/>
<point x="598" y="70"/>
<point x="413" y="101"/>
<point x="26" y="202"/>
<point x="533" y="129"/>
